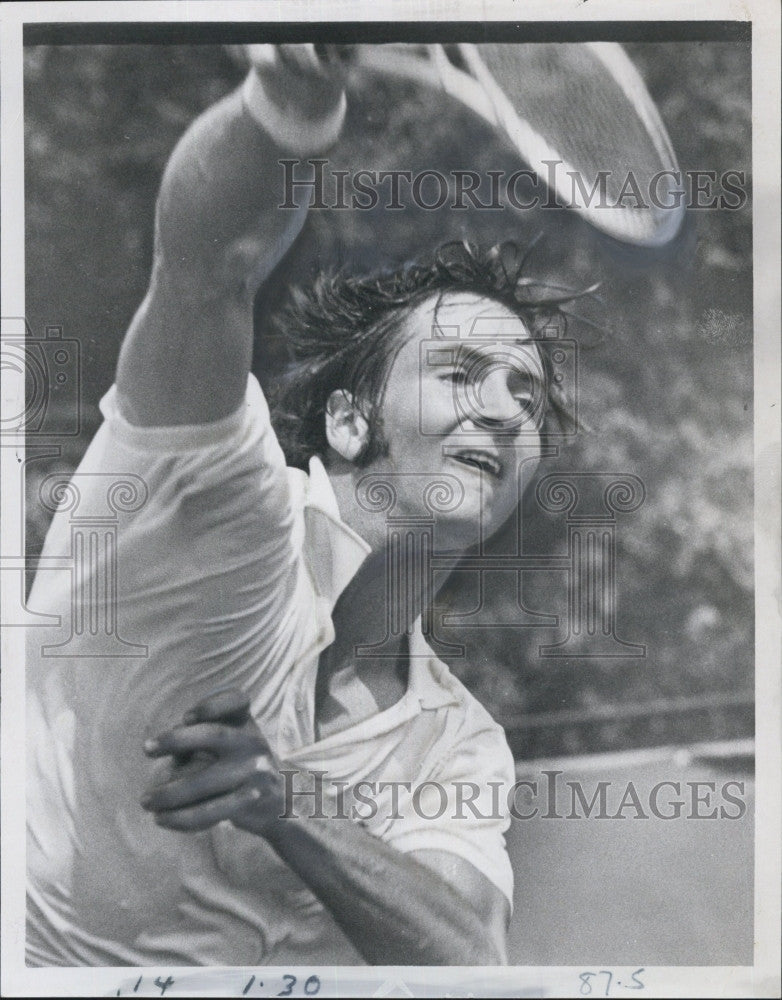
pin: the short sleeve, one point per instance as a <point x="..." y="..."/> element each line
<point x="204" y="564"/>
<point x="221" y="488"/>
<point x="253" y="413"/>
<point x="462" y="808"/>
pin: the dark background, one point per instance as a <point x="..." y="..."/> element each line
<point x="666" y="392"/>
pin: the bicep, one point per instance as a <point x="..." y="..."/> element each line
<point x="489" y="903"/>
<point x="185" y="357"/>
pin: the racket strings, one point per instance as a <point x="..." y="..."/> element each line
<point x="581" y="116"/>
<point x="583" y="111"/>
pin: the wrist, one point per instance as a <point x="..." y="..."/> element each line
<point x="264" y="815"/>
<point x="289" y="127"/>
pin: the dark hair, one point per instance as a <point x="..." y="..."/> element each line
<point x="342" y="333"/>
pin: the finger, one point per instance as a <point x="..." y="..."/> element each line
<point x="302" y="57"/>
<point x="167" y="769"/>
<point x="191" y="789"/>
<point x="214" y="737"/>
<point x="200" y="817"/>
<point x="229" y="706"/>
<point x="238" y="55"/>
<point x="328" y="63"/>
<point x="261" y="57"/>
<point x="338" y="60"/>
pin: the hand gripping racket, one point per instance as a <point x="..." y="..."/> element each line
<point x="574" y="112"/>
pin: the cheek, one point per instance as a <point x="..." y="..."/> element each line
<point x="401" y="428"/>
<point x="416" y="419"/>
<point x="442" y="411"/>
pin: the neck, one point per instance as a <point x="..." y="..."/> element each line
<point x="372" y="525"/>
<point x="392" y="587"/>
<point x="369" y="524"/>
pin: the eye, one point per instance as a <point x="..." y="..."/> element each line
<point x="455" y="376"/>
<point x="521" y="386"/>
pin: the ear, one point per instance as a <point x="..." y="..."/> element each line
<point x="347" y="429"/>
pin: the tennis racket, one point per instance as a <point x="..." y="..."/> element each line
<point x="582" y="107"/>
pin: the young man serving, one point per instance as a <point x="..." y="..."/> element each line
<point x="260" y="593"/>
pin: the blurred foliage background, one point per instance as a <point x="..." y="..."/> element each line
<point x="666" y="392"/>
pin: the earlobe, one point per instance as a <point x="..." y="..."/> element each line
<point x="347" y="429"/>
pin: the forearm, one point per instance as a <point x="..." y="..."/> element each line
<point x="394" y="910"/>
<point x="218" y="223"/>
<point x="218" y="234"/>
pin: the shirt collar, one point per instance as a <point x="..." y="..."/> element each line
<point x="334" y="551"/>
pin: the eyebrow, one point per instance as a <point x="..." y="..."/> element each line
<point x="466" y="353"/>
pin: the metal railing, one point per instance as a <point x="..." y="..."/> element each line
<point x="715" y="716"/>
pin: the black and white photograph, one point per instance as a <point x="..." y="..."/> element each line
<point x="390" y="449"/>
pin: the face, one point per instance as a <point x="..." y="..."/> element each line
<point x="463" y="406"/>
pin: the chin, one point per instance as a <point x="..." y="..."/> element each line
<point x="452" y="536"/>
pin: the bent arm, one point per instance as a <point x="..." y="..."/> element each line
<point x="218" y="234"/>
<point x="421" y="907"/>
<point x="395" y="908"/>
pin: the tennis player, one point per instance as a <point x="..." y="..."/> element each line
<point x="259" y="591"/>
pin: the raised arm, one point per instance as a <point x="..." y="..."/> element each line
<point x="219" y="233"/>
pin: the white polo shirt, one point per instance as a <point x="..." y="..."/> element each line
<point x="226" y="575"/>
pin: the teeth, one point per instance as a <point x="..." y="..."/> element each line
<point x="485" y="462"/>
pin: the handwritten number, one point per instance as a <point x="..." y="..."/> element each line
<point x="587" y="977"/>
<point x="637" y="984"/>
<point x="311" y="985"/>
<point x="135" y="988"/>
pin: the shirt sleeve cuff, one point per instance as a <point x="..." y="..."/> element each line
<point x="184" y="437"/>
<point x="495" y="867"/>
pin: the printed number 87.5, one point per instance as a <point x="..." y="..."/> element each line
<point x="587" y="977"/>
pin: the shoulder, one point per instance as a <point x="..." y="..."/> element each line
<point x="476" y="741"/>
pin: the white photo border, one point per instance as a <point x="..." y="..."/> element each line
<point x="759" y="980"/>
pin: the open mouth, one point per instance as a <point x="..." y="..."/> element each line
<point x="482" y="460"/>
